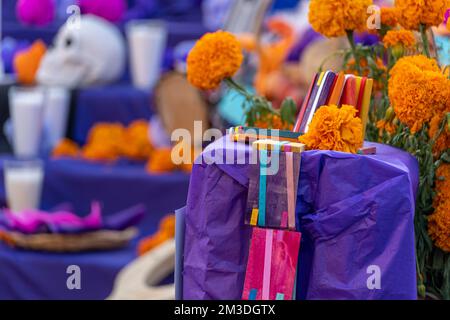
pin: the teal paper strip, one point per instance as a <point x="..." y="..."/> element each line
<point x="280" y="296"/>
<point x="263" y="158"/>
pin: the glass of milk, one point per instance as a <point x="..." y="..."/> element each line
<point x="26" y="107"/>
<point x="147" y="43"/>
<point x="23" y="184"/>
<point x="56" y="112"/>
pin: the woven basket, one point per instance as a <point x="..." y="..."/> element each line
<point x="95" y="240"/>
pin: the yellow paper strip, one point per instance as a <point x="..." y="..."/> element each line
<point x="254" y="218"/>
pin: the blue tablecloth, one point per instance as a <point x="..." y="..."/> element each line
<point x="178" y="30"/>
<point x="115" y="103"/>
<point x="355" y="213"/>
<point x="36" y="275"/>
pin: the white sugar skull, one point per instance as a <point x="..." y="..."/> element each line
<point x="88" y="53"/>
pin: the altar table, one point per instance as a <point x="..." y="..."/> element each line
<point x="38" y="275"/>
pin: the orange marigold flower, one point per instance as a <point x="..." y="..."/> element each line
<point x="350" y="68"/>
<point x="66" y="148"/>
<point x="405" y="38"/>
<point x="387" y="126"/>
<point x="333" y="18"/>
<point x="442" y="183"/>
<point x="417" y="90"/>
<point x="272" y="121"/>
<point x="334" y="128"/>
<point x="413" y="13"/>
<point x="161" y="161"/>
<point x="439" y="221"/>
<point x="215" y="57"/>
<point x="442" y="142"/>
<point x="389" y="16"/>
<point x="27" y="62"/>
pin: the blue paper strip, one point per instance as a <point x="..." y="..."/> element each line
<point x="252" y="294"/>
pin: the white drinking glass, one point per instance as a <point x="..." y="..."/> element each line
<point x="56" y="112"/>
<point x="26" y="106"/>
<point x="147" y="43"/>
<point x="23" y="184"/>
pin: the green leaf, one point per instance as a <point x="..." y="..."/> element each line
<point x="288" y="111"/>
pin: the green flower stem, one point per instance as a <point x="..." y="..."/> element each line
<point x="236" y="86"/>
<point x="426" y="44"/>
<point x="351" y="40"/>
<point x="447" y="69"/>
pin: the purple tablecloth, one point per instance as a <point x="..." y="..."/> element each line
<point x="355" y="213"/>
<point x="36" y="275"/>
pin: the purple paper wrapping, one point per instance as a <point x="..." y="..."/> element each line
<point x="355" y="213"/>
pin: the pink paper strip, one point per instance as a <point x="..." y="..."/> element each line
<point x="267" y="265"/>
<point x="290" y="189"/>
<point x="284" y="219"/>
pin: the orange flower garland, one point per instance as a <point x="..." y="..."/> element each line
<point x="404" y="38"/>
<point x="417" y="90"/>
<point x="439" y="221"/>
<point x="333" y="18"/>
<point x="334" y="128"/>
<point x="66" y="148"/>
<point x="161" y="161"/>
<point x="105" y="142"/>
<point x="413" y="13"/>
<point x="137" y="146"/>
<point x="215" y="57"/>
<point x="111" y="141"/>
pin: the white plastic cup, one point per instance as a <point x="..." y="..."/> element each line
<point x="56" y="112"/>
<point x="23" y="184"/>
<point x="147" y="43"/>
<point x="26" y="107"/>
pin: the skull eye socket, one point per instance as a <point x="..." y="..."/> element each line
<point x="68" y="41"/>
